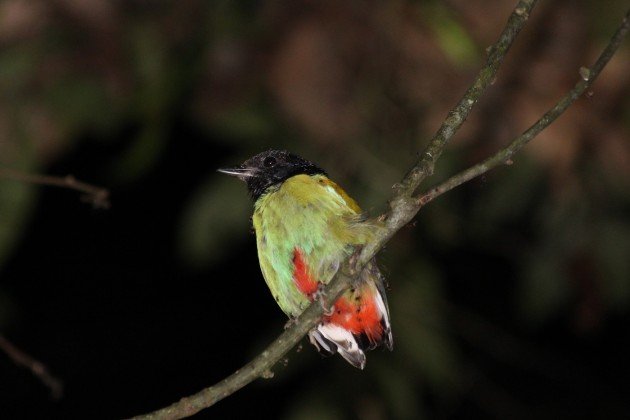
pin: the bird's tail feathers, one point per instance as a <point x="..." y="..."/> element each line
<point x="330" y="339"/>
<point x="359" y="320"/>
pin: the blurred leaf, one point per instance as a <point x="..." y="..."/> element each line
<point x="544" y="288"/>
<point x="420" y="327"/>
<point x="141" y="155"/>
<point x="448" y="230"/>
<point x="230" y="17"/>
<point x="80" y="103"/>
<point x="16" y="200"/>
<point x="314" y="407"/>
<point x="398" y="387"/>
<point x="215" y="218"/>
<point x="6" y="309"/>
<point x="249" y="121"/>
<point x="452" y="37"/>
<point x="506" y="195"/>
<point x="17" y="66"/>
<point x="150" y="66"/>
<point x="612" y="247"/>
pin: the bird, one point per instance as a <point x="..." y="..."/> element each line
<point x="306" y="225"/>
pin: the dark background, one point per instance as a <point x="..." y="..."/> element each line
<point x="510" y="296"/>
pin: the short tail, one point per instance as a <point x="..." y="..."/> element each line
<point x="360" y="322"/>
<point x="330" y="339"/>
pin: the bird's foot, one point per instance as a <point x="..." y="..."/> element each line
<point x="320" y="296"/>
<point x="355" y="256"/>
<point x="291" y="322"/>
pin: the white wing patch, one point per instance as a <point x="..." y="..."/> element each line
<point x="335" y="339"/>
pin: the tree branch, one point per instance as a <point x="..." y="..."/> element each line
<point x="403" y="207"/>
<point x="97" y="196"/>
<point x="259" y="367"/>
<point x="36" y="367"/>
<point x="456" y="117"/>
<point x="503" y="156"/>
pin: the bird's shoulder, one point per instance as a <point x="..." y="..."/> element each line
<point x="308" y="188"/>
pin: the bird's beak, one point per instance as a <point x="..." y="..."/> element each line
<point x="240" y="173"/>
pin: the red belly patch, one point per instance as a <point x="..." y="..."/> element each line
<point x="359" y="315"/>
<point x="301" y="275"/>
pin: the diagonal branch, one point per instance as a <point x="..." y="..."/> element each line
<point x="36" y="367"/>
<point x="503" y="156"/>
<point x="403" y="207"/>
<point x="456" y="117"/>
<point x="259" y="367"/>
<point x="97" y="196"/>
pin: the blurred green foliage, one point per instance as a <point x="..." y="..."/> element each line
<point x="210" y="221"/>
<point x="452" y="37"/>
<point x="16" y="200"/>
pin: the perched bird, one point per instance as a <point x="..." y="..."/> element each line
<point x="306" y="226"/>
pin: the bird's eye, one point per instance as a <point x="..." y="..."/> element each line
<point x="269" y="162"/>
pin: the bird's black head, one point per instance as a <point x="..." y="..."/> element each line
<point x="270" y="168"/>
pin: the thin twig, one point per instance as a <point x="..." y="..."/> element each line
<point x="36" y="367"/>
<point x="456" y="117"/>
<point x="403" y="207"/>
<point x="97" y="196"/>
<point x="503" y="156"/>
<point x="259" y="367"/>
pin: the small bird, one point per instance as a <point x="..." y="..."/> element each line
<point x="306" y="226"/>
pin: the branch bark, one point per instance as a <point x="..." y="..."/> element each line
<point x="403" y="207"/>
<point x="456" y="117"/>
<point x="503" y="156"/>
<point x="97" y="196"/>
<point x="36" y="367"/>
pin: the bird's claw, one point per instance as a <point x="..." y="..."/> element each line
<point x="354" y="258"/>
<point x="320" y="296"/>
<point x="291" y="322"/>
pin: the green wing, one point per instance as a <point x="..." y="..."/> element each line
<point x="310" y="214"/>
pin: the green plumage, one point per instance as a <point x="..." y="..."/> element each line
<point x="312" y="214"/>
<point x="306" y="226"/>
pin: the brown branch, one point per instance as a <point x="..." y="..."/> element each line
<point x="403" y="207"/>
<point x="503" y="156"/>
<point x="97" y="196"/>
<point x="456" y="117"/>
<point x="36" y="367"/>
<point x="259" y="367"/>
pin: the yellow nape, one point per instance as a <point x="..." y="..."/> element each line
<point x="349" y="200"/>
<point x="302" y="187"/>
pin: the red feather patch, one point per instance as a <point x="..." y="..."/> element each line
<point x="301" y="276"/>
<point x="358" y="317"/>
